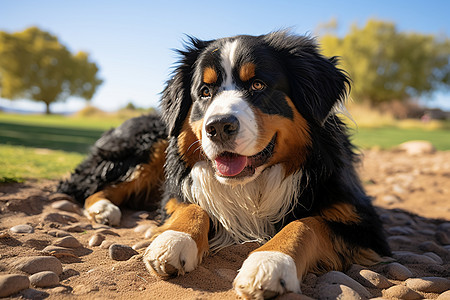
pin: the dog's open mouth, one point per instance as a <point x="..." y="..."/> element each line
<point x="232" y="165"/>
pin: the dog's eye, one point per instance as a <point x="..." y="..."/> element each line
<point x="258" y="85"/>
<point x="205" y="92"/>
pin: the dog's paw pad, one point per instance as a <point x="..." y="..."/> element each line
<point x="104" y="212"/>
<point x="265" y="275"/>
<point x="171" y="253"/>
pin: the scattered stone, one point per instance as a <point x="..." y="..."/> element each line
<point x="58" y="251"/>
<point x="397" y="241"/>
<point x="435" y="257"/>
<point x="108" y="232"/>
<point x="58" y="233"/>
<point x="59" y="218"/>
<point x="372" y="279"/>
<point x="78" y="227"/>
<point x="106" y="244"/>
<point x="96" y="240"/>
<point x="227" y="274"/>
<point x="44" y="279"/>
<point x="442" y="237"/>
<point x="430" y="246"/>
<point x="143" y="227"/>
<point x="67" y="242"/>
<point x="335" y="277"/>
<point x="66" y="205"/>
<point x="121" y="252"/>
<point x="35" y="264"/>
<point x="444" y="296"/>
<point x="33" y="294"/>
<point x="401" y="292"/>
<point x="59" y="196"/>
<point x="23" y="228"/>
<point x="400" y="230"/>
<point x="338" y="291"/>
<point x="13" y="283"/>
<point x="412" y="258"/>
<point x="417" y="147"/>
<point x="429" y="284"/>
<point x="398" y="271"/>
<point x="4" y="235"/>
<point x="59" y="290"/>
<point x="141" y="244"/>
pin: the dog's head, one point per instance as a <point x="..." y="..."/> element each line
<point x="248" y="102"/>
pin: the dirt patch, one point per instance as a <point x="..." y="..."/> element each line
<point x="411" y="194"/>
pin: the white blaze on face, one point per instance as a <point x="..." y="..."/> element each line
<point x="230" y="101"/>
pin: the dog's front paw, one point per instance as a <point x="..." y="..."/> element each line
<point x="265" y="275"/>
<point x="171" y="253"/>
<point x="104" y="212"/>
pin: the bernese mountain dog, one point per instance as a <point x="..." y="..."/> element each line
<point x="248" y="148"/>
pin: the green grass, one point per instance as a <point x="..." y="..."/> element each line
<point x="37" y="146"/>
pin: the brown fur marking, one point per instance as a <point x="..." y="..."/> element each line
<point x="341" y="212"/>
<point x="293" y="138"/>
<point x="209" y="75"/>
<point x="189" y="143"/>
<point x="247" y="71"/>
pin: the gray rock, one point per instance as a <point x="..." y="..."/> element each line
<point x="107" y="232"/>
<point x="33" y="294"/>
<point x="58" y="233"/>
<point x="44" y="279"/>
<point x="96" y="240"/>
<point x="401" y="292"/>
<point x="141" y="244"/>
<point x="400" y="230"/>
<point x="66" y="205"/>
<point x="58" y="196"/>
<point x="442" y="237"/>
<point x="58" y="251"/>
<point x="430" y="246"/>
<point x="398" y="271"/>
<point x="106" y="244"/>
<point x="59" y="218"/>
<point x="77" y="227"/>
<point x="121" y="252"/>
<point x="335" y="277"/>
<point x="428" y="284"/>
<point x="434" y="256"/>
<point x="412" y="258"/>
<point x="397" y="241"/>
<point x="337" y="291"/>
<point x="35" y="264"/>
<point x="372" y="279"/>
<point x="13" y="283"/>
<point x="68" y="242"/>
<point x="23" y="228"/>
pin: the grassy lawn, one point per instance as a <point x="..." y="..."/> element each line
<point x="37" y="146"/>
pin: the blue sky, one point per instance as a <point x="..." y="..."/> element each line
<point x="132" y="41"/>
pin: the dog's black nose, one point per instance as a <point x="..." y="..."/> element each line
<point x="222" y="128"/>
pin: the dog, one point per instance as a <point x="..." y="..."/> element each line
<point x="249" y="147"/>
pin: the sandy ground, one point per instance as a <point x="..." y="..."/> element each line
<point x="411" y="194"/>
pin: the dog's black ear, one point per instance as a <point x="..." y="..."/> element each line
<point x="176" y="97"/>
<point x="316" y="83"/>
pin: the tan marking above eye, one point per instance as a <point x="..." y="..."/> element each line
<point x="209" y="75"/>
<point x="247" y="71"/>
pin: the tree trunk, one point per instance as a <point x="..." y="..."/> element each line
<point x="47" y="108"/>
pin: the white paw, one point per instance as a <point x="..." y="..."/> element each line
<point x="104" y="212"/>
<point x="171" y="253"/>
<point x="266" y="274"/>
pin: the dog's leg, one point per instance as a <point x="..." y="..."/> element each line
<point x="182" y="241"/>
<point x="301" y="246"/>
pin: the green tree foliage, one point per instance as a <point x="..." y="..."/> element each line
<point x="35" y="65"/>
<point x="386" y="64"/>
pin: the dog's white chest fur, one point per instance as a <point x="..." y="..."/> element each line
<point x="243" y="213"/>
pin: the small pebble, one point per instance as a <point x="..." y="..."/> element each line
<point x="335" y="277"/>
<point x="429" y="284"/>
<point x="401" y="292"/>
<point x="59" y="290"/>
<point x="434" y="256"/>
<point x="44" y="279"/>
<point x="430" y="246"/>
<point x="142" y="227"/>
<point x="399" y="241"/>
<point x="96" y="240"/>
<point x="59" y="218"/>
<point x="442" y="237"/>
<point x="107" y="232"/>
<point x="58" y="251"/>
<point x="35" y="264"/>
<point x="337" y="291"/>
<point x="398" y="271"/>
<point x="33" y="294"/>
<point x="106" y="244"/>
<point x="121" y="252"/>
<point x="59" y="196"/>
<point x="67" y="242"/>
<point x="23" y="228"/>
<point x="400" y="230"/>
<point x="373" y="280"/>
<point x="66" y="205"/>
<point x="141" y="244"/>
<point x="58" y="233"/>
<point x="444" y="296"/>
<point x="412" y="258"/>
<point x="12" y="283"/>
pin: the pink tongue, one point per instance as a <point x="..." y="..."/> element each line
<point x="230" y="165"/>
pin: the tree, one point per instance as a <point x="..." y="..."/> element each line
<point x="386" y="64"/>
<point x="35" y="65"/>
